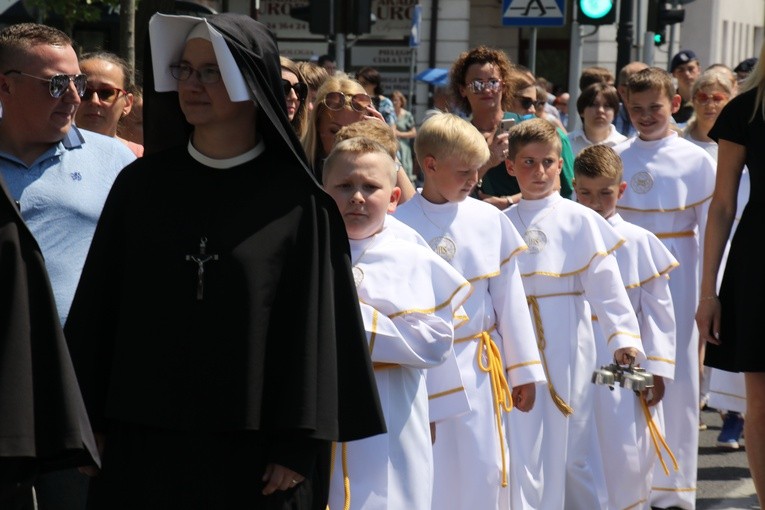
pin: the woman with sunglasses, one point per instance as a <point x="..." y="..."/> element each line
<point x="341" y="101"/>
<point x="722" y="390"/>
<point x="295" y="92"/>
<point x="108" y="95"/>
<point x="215" y="330"/>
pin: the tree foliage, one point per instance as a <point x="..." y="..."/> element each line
<point x="71" y="11"/>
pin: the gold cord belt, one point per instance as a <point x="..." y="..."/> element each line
<point x="501" y="394"/>
<point x="542" y="343"/>
<point x="657" y="438"/>
<point x="665" y="235"/>
<point x="346" y="477"/>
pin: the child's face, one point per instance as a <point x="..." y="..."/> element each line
<point x="651" y="112"/>
<point x="599" y="193"/>
<point x="448" y="179"/>
<point x="361" y="186"/>
<point x="536" y="166"/>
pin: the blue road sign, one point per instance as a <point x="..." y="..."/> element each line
<point x="533" y="13"/>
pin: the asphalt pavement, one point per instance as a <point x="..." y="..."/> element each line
<point x="724" y="481"/>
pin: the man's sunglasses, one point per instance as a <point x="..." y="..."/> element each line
<point x="105" y="94"/>
<point x="337" y="100"/>
<point x="300" y="88"/>
<point x="478" y="86"/>
<point x="59" y="83"/>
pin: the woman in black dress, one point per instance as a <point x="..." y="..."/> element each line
<point x="730" y="323"/>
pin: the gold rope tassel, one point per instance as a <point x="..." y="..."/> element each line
<point x="657" y="438"/>
<point x="503" y="398"/>
<point x="541" y="344"/>
<point x="346" y="477"/>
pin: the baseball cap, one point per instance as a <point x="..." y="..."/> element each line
<point x="682" y="58"/>
<point x="745" y="66"/>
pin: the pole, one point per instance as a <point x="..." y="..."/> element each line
<point x="533" y="51"/>
<point x="340" y="51"/>
<point x="574" y="70"/>
<point x="411" y="76"/>
<point x="624" y="35"/>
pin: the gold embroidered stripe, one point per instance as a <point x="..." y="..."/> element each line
<point x="667" y="235"/>
<point x="445" y="393"/>
<point x="665" y="360"/>
<point x="681" y="208"/>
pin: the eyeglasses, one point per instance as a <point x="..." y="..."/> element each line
<point x="717" y="97"/>
<point x="207" y="75"/>
<point x="300" y="88"/>
<point x="527" y="102"/>
<point x="337" y="100"/>
<point x="105" y="94"/>
<point x="478" y="86"/>
<point x="59" y="83"/>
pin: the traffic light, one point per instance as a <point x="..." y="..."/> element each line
<point x="660" y="16"/>
<point x="596" y="12"/>
<point x="329" y="17"/>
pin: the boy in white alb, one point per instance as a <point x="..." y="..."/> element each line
<point x="630" y="427"/>
<point x="408" y="298"/>
<point x="569" y="275"/>
<point x="495" y="350"/>
<point x="669" y="186"/>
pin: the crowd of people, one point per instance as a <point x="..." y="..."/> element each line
<point x="287" y="293"/>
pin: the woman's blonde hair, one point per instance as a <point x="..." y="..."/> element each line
<point x="714" y="77"/>
<point x="310" y="140"/>
<point x="756" y="79"/>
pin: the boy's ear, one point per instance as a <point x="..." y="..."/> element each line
<point x="509" y="166"/>
<point x="622" y="189"/>
<point x="395" y="194"/>
<point x="428" y="164"/>
<point x="560" y="165"/>
<point x="677" y="100"/>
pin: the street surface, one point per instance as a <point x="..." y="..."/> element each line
<point x="724" y="482"/>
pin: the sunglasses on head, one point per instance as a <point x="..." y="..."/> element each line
<point x="300" y="88"/>
<point x="478" y="86"/>
<point x="59" y="83"/>
<point x="717" y="97"/>
<point x="337" y="100"/>
<point x="105" y="94"/>
<point x="527" y="102"/>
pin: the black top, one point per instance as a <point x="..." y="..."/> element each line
<point x="42" y="417"/>
<point x="742" y="301"/>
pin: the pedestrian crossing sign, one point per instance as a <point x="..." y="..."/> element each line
<point x="533" y="13"/>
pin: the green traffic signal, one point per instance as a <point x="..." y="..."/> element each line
<point x="596" y="12"/>
<point x="596" y="8"/>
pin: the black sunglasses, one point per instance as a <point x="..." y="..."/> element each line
<point x="105" y="94"/>
<point x="300" y="88"/>
<point x="526" y="102"/>
<point x="59" y="83"/>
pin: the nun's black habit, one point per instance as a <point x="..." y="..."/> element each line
<point x="200" y="379"/>
<point x="43" y="423"/>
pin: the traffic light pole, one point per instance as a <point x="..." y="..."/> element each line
<point x="624" y="35"/>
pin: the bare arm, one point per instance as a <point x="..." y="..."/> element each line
<point x="722" y="211"/>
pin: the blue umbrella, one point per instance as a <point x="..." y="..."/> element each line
<point x="434" y="76"/>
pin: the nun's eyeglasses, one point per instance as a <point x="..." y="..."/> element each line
<point x="205" y="74"/>
<point x="59" y="83"/>
<point x="337" y="100"/>
<point x="300" y="88"/>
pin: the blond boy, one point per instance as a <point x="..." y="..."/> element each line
<point x="669" y="187"/>
<point x="408" y="298"/>
<point x="569" y="275"/>
<point x="495" y="349"/>
<point x="625" y="433"/>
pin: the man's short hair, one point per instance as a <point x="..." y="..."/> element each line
<point x="533" y="131"/>
<point x="446" y="135"/>
<point x="18" y="38"/>
<point x="595" y="74"/>
<point x="598" y="161"/>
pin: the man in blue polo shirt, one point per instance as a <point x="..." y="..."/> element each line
<point x="58" y="175"/>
